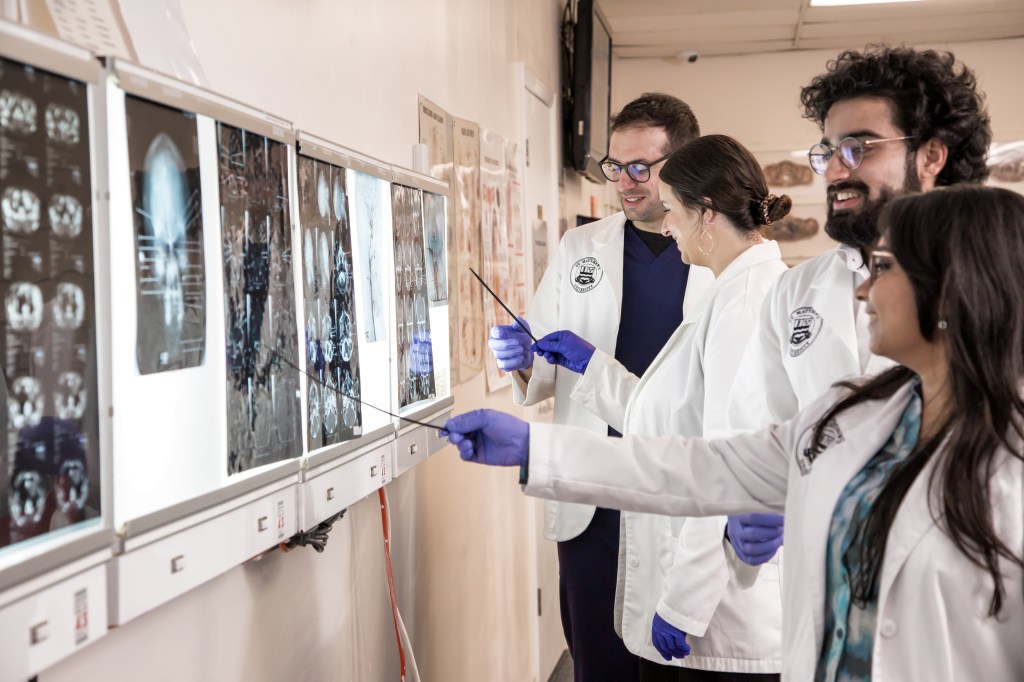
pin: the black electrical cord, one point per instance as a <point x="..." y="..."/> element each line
<point x="316" y="538"/>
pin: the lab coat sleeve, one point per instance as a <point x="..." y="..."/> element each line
<point x="538" y="384"/>
<point x="672" y="476"/>
<point x="699" y="574"/>
<point x="605" y="389"/>
<point x="761" y="393"/>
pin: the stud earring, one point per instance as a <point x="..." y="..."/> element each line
<point x="942" y="324"/>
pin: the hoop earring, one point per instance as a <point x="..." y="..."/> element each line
<point x="700" y="243"/>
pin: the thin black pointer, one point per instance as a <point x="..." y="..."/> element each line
<point x="342" y="393"/>
<point x="502" y="304"/>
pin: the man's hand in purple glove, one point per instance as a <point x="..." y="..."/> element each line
<point x="669" y="640"/>
<point x="489" y="437"/>
<point x="566" y="349"/>
<point x="511" y="345"/>
<point x="755" y="537"/>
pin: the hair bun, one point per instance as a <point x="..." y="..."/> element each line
<point x="770" y="209"/>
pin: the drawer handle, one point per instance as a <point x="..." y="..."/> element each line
<point x="330" y="493"/>
<point x="40" y="632"/>
<point x="373" y="470"/>
<point x="178" y="564"/>
<point x="261" y="524"/>
<point x="413" y="448"/>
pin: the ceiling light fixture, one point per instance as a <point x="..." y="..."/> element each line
<point x="840" y="3"/>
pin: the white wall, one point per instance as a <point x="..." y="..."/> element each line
<point x="756" y="99"/>
<point x="462" y="535"/>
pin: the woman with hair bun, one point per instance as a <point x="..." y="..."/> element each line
<point x="680" y="606"/>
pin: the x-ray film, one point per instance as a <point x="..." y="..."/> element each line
<point x="369" y="228"/>
<point x="163" y="154"/>
<point x="49" y="462"/>
<point x="434" y="222"/>
<point x="335" y="413"/>
<point x="263" y="418"/>
<point x="415" y="351"/>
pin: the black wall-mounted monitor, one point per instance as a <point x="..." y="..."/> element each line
<point x="588" y="90"/>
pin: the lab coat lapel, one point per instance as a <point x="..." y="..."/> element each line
<point x="607" y="249"/>
<point x="835" y="290"/>
<point x="911" y="523"/>
<point x="864" y="429"/>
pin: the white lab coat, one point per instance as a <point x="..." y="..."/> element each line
<point x="677" y="566"/>
<point x="591" y="310"/>
<point x="932" y="604"/>
<point x="812" y="333"/>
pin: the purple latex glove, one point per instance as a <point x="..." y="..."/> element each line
<point x="755" y="537"/>
<point x="669" y="640"/>
<point x="511" y="345"/>
<point x="489" y="437"/>
<point x="565" y="349"/>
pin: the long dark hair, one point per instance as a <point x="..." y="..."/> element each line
<point x="962" y="248"/>
<point x="720" y="169"/>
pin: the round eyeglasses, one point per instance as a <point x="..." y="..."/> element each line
<point x="640" y="171"/>
<point x="851" y="152"/>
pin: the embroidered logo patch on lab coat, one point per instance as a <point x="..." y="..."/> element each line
<point x="804" y="325"/>
<point x="806" y="453"/>
<point x="586" y="274"/>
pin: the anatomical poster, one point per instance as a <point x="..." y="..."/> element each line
<point x="516" y="233"/>
<point x="469" y="316"/>
<point x="332" y="358"/>
<point x="368" y="217"/>
<point x="435" y="236"/>
<point x="415" y="351"/>
<point x="49" y="455"/>
<point x="494" y="241"/>
<point x="263" y="416"/>
<point x="163" y="155"/>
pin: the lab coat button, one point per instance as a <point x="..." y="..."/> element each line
<point x="634" y="562"/>
<point x="888" y="629"/>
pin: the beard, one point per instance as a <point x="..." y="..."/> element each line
<point x="860" y="228"/>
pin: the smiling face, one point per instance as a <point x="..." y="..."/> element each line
<point x="856" y="196"/>
<point x="891" y="309"/>
<point x="640" y="200"/>
<point x="683" y="224"/>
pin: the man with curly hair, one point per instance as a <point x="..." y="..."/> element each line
<point x="894" y="121"/>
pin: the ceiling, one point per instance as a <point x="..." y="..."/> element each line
<point x="667" y="28"/>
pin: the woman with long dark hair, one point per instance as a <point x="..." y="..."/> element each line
<point x="903" y="493"/>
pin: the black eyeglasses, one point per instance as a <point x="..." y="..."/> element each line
<point x="879" y="262"/>
<point x="851" y="152"/>
<point x="640" y="171"/>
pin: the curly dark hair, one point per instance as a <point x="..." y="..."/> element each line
<point x="933" y="96"/>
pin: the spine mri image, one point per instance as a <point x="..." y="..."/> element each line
<point x="163" y="154"/>
<point x="49" y="455"/>
<point x="263" y="416"/>
<point x="332" y="361"/>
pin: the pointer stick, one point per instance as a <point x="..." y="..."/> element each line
<point x="346" y="395"/>
<point x="502" y="304"/>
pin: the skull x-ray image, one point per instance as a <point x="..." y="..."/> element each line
<point x="435" y="227"/>
<point x="264" y="424"/>
<point x="49" y="453"/>
<point x="329" y="297"/>
<point x="163" y="155"/>
<point x="415" y="351"/>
